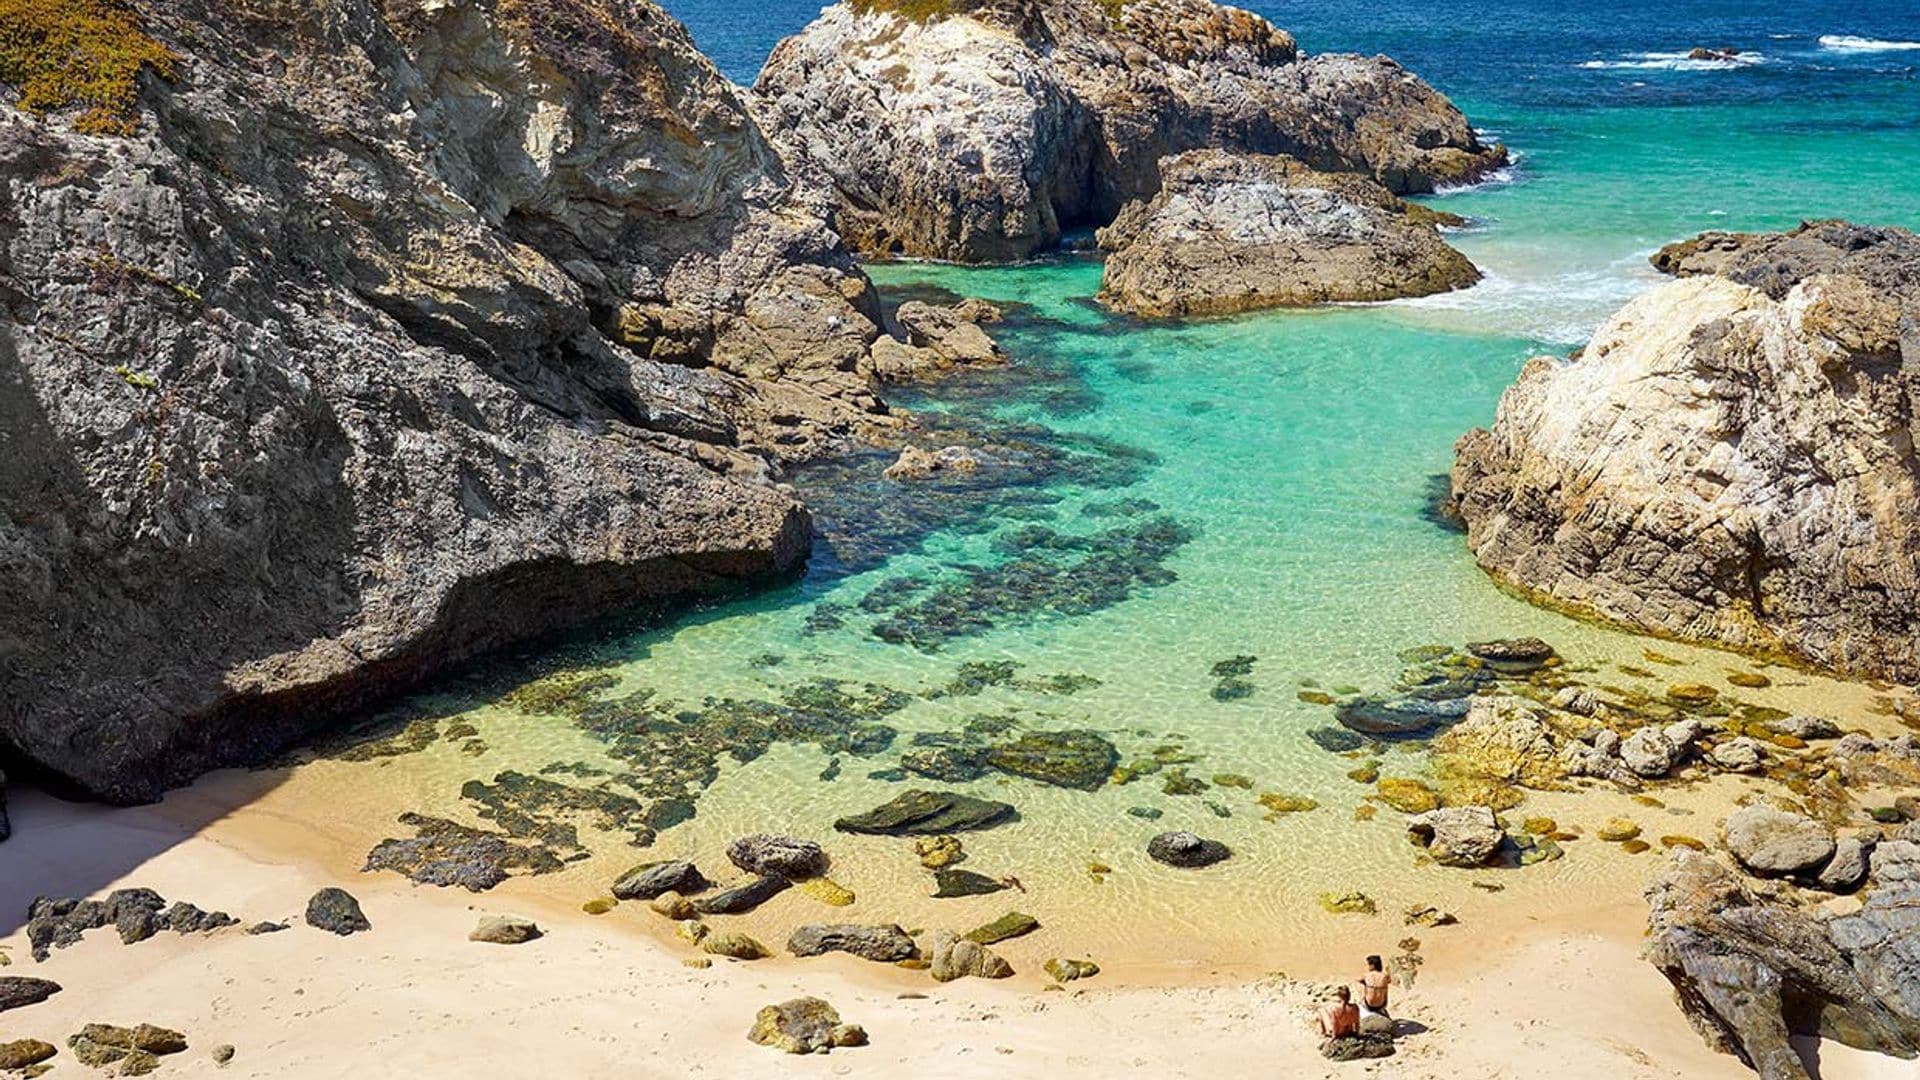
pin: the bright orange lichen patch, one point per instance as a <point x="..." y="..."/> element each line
<point x="63" y="54"/>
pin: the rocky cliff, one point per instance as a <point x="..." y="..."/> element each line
<point x="1235" y="232"/>
<point x="977" y="130"/>
<point x="341" y="340"/>
<point x="1730" y="459"/>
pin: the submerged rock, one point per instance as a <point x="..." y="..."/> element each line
<point x="337" y="912"/>
<point x="925" y="813"/>
<point x="1728" y="457"/>
<point x="1070" y="107"/>
<point x="1514" y="656"/>
<point x="950" y="882"/>
<point x="1073" y="759"/>
<point x="881" y="943"/>
<point x="1011" y="925"/>
<point x="805" y="1025"/>
<point x="1229" y="232"/>
<point x="1186" y="850"/>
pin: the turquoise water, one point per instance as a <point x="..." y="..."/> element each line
<point x="1281" y="468"/>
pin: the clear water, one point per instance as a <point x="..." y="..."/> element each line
<point x="1299" y="449"/>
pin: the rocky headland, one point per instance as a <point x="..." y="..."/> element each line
<point x="1236" y="232"/>
<point x="1730" y="459"/>
<point x="345" y="341"/>
<point x="980" y="130"/>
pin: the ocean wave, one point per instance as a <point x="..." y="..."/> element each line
<point x="1505" y="174"/>
<point x="1850" y="43"/>
<point x="1675" y="61"/>
<point x="1558" y="309"/>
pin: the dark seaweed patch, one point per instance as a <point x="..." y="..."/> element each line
<point x="1042" y="581"/>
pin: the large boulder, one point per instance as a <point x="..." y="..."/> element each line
<point x="917" y="812"/>
<point x="1773" y="842"/>
<point x="1236" y="232"/>
<point x="1750" y="972"/>
<point x="980" y="131"/>
<point x="337" y="912"/>
<point x="654" y="879"/>
<point x="1730" y="458"/>
<point x="783" y="855"/>
<point x="488" y="332"/>
<point x="1502" y="744"/>
<point x="1464" y="836"/>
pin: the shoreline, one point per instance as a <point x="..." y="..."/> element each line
<point x="596" y="994"/>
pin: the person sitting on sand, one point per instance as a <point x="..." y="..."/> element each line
<point x="1339" y="1017"/>
<point x="1373" y="988"/>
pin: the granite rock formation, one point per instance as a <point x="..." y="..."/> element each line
<point x="980" y="131"/>
<point x="389" y="332"/>
<point x="1236" y="232"/>
<point x="1730" y="459"/>
<point x="1752" y="965"/>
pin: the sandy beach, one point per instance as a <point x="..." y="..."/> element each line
<point x="1560" y="994"/>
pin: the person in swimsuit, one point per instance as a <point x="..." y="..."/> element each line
<point x="1373" y="988"/>
<point x="1339" y="1018"/>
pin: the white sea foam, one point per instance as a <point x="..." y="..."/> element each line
<point x="1675" y="61"/>
<point x="1850" y="43"/>
<point x="1505" y="174"/>
<point x="1561" y="308"/>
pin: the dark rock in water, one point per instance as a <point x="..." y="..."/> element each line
<point x="866" y="740"/>
<point x="1751" y="972"/>
<point x="917" y="812"/>
<point x="1357" y="1047"/>
<point x="1514" y="656"/>
<point x="1073" y="759"/>
<point x="1184" y="849"/>
<point x="448" y="853"/>
<point x="881" y="943"/>
<point x="1398" y="718"/>
<point x="1011" y="925"/>
<point x="337" y="912"/>
<point x="20" y="991"/>
<point x="185" y="918"/>
<point x="786" y="856"/>
<point x="952" y="881"/>
<point x="743" y="897"/>
<point x="24" y="1053"/>
<point x="891" y="776"/>
<point x="951" y="764"/>
<point x="649" y="880"/>
<point x="1149" y="813"/>
<point x="804" y="1026"/>
<point x="1335" y="740"/>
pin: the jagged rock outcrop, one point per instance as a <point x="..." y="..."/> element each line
<point x="395" y="330"/>
<point x="1730" y="459"/>
<point x="1751" y="966"/>
<point x="980" y="131"/>
<point x="1236" y="232"/>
